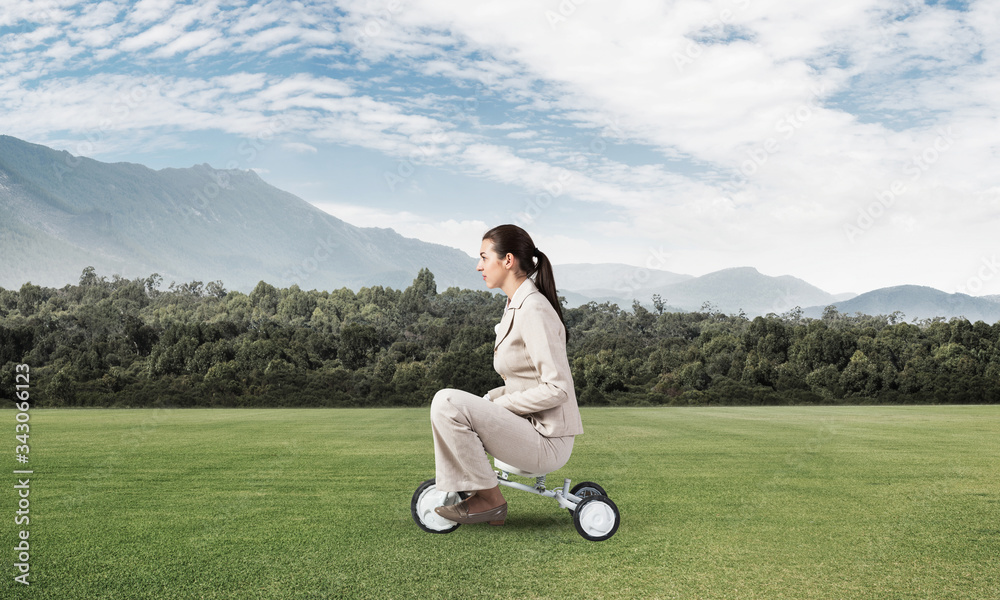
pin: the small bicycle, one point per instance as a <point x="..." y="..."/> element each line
<point x="595" y="516"/>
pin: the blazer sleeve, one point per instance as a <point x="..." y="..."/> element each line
<point x="545" y="345"/>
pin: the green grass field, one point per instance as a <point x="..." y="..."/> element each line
<point x="728" y="503"/>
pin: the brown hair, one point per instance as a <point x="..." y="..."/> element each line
<point x="511" y="239"/>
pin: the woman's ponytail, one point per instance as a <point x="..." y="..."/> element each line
<point x="546" y="283"/>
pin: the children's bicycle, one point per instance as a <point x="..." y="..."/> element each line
<point x="595" y="516"/>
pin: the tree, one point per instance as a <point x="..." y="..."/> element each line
<point x="152" y="284"/>
<point x="296" y="307"/>
<point x="29" y="298"/>
<point x="358" y="344"/>
<point x="820" y="345"/>
<point x="264" y="298"/>
<point x="470" y="370"/>
<point x="861" y="377"/>
<point x="61" y="389"/>
<point x="411" y="384"/>
<point x="215" y="289"/>
<point x="769" y="337"/>
<point x="417" y="298"/>
<point x="642" y="318"/>
<point x="659" y="304"/>
<point x="825" y="382"/>
<point x="88" y="277"/>
<point x="124" y="342"/>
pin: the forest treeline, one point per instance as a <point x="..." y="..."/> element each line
<point x="128" y="343"/>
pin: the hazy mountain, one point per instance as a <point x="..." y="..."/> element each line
<point x="61" y="213"/>
<point x="844" y="296"/>
<point x="729" y="290"/>
<point x="917" y="302"/>
<point x="582" y="283"/>
<point x="747" y="289"/>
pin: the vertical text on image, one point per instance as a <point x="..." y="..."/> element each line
<point x="22" y="392"/>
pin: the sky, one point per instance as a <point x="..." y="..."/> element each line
<point x="852" y="144"/>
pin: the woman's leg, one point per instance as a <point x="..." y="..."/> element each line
<point x="467" y="426"/>
<point x="460" y="460"/>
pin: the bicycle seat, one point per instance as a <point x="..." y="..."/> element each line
<point x="499" y="464"/>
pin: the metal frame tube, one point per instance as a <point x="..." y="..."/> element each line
<point x="562" y="496"/>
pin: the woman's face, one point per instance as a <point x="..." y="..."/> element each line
<point x="491" y="265"/>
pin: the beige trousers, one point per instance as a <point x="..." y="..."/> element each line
<point x="466" y="427"/>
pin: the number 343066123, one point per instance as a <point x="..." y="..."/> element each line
<point x="22" y="386"/>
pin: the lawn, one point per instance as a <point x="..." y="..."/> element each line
<point x="727" y="503"/>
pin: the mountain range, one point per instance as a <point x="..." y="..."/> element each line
<point x="746" y="289"/>
<point x="917" y="302"/>
<point x="728" y="290"/>
<point x="62" y="213"/>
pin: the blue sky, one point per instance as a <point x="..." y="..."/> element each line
<point x="852" y="144"/>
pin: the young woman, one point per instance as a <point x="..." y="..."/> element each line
<point x="530" y="421"/>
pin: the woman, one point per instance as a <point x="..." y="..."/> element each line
<point x="530" y="421"/>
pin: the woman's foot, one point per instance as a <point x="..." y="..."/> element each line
<point x="484" y="505"/>
<point x="484" y="500"/>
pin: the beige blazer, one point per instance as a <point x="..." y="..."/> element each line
<point x="530" y="356"/>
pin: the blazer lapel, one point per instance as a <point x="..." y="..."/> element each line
<point x="507" y="322"/>
<point x="504" y="327"/>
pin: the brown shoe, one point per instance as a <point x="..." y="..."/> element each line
<point x="459" y="513"/>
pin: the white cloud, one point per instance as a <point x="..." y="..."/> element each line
<point x="27" y="13"/>
<point x="768" y="113"/>
<point x="187" y="42"/>
<point x="175" y="27"/>
<point x="507" y="126"/>
<point x="305" y="86"/>
<point x="239" y="83"/>
<point x="61" y="51"/>
<point x="267" y="39"/>
<point x="760" y="130"/>
<point x="464" y="235"/>
<point x="101" y="14"/>
<point x="299" y="148"/>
